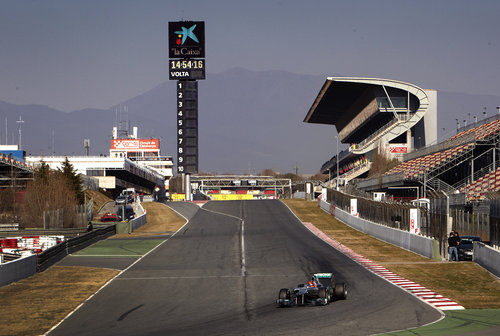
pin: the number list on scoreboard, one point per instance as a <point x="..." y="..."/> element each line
<point x="187" y="127"/>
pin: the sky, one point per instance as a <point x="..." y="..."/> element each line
<point x="72" y="55"/>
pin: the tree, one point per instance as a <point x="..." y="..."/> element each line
<point x="43" y="171"/>
<point x="381" y="164"/>
<point x="267" y="172"/>
<point x="52" y="192"/>
<point x="319" y="177"/>
<point x="74" y="180"/>
<point x="175" y="185"/>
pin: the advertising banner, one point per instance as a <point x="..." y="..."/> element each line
<point x="414" y="221"/>
<point x="186" y="39"/>
<point x="107" y="182"/>
<point x="231" y="197"/>
<point x="400" y="148"/>
<point x="354" y="207"/>
<point x="135" y="144"/>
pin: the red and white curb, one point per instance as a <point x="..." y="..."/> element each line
<point x="424" y="294"/>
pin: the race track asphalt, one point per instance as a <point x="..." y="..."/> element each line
<point x="217" y="276"/>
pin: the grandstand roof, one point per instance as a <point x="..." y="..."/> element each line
<point x="364" y="110"/>
<point x="339" y="93"/>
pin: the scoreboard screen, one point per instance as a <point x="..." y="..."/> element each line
<point x="187" y="127"/>
<point x="186" y="69"/>
<point x="186" y="51"/>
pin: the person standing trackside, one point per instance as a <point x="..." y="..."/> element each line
<point x="453" y="241"/>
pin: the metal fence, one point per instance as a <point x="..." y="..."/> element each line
<point x="494" y="222"/>
<point x="471" y="224"/>
<point x="77" y="216"/>
<point x="389" y="214"/>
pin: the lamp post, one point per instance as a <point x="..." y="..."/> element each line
<point x="20" y="121"/>
<point x="337" y="178"/>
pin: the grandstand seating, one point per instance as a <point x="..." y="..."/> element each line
<point x="481" y="132"/>
<point x="9" y="160"/>
<point x="415" y="168"/>
<point x="477" y="190"/>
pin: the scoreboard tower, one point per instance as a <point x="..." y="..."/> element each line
<point x="186" y="43"/>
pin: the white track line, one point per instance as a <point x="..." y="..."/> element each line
<point x="243" y="253"/>
<point x="106" y="255"/>
<point x="407" y="285"/>
<point x="121" y="272"/>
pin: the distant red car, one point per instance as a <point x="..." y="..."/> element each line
<point x="110" y="217"/>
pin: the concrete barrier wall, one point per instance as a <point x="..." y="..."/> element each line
<point x="138" y="222"/>
<point x="299" y="194"/>
<point x="418" y="244"/>
<point x="324" y="205"/>
<point x="487" y="257"/>
<point x="18" y="269"/>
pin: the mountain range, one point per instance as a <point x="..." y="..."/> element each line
<point x="248" y="121"/>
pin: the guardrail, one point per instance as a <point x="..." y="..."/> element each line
<point x="24" y="267"/>
<point x="52" y="255"/>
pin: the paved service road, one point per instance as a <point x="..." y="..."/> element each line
<point x="218" y="276"/>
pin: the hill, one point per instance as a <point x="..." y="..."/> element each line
<point x="248" y="120"/>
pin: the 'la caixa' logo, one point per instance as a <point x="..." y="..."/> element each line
<point x="186" y="39"/>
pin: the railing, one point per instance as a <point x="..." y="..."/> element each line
<point x="438" y="184"/>
<point x="56" y="253"/>
<point x="384" y="129"/>
<point x="483" y="171"/>
<point x="479" y="123"/>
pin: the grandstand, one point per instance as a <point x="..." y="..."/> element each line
<point x="14" y="172"/>
<point x="398" y="120"/>
<point x="467" y="163"/>
<point x="371" y="115"/>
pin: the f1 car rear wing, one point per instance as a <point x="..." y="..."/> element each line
<point x="323" y="275"/>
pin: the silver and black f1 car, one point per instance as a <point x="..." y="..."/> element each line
<point x="321" y="290"/>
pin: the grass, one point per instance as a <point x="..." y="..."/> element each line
<point x="459" y="322"/>
<point x="114" y="247"/>
<point x="160" y="220"/>
<point x="99" y="200"/>
<point x="33" y="305"/>
<point x="465" y="282"/>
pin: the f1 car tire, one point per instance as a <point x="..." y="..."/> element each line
<point x="341" y="291"/>
<point x="322" y="293"/>
<point x="284" y="294"/>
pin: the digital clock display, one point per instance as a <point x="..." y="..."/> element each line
<point x="186" y="69"/>
<point x="187" y="64"/>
